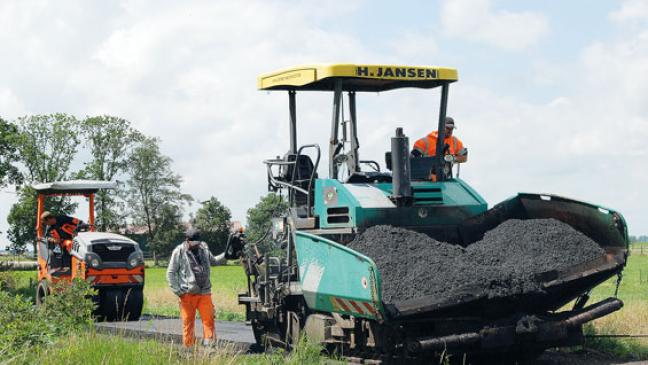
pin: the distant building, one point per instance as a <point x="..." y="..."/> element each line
<point x="235" y="226"/>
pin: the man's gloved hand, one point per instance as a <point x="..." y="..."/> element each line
<point x="51" y="242"/>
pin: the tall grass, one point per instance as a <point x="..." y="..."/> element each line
<point x="91" y="348"/>
<point x="632" y="319"/>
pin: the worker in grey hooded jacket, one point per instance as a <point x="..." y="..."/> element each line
<point x="188" y="277"/>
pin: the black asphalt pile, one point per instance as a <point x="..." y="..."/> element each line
<point x="507" y="261"/>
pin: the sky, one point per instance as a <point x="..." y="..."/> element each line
<point x="551" y="98"/>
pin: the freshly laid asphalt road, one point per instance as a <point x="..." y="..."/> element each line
<point x="237" y="334"/>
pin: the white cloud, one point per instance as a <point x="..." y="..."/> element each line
<point x="10" y="104"/>
<point x="476" y="20"/>
<point x="413" y="47"/>
<point x="631" y="11"/>
<point x="187" y="72"/>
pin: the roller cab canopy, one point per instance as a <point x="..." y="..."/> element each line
<point x="73" y="186"/>
<point x="356" y="77"/>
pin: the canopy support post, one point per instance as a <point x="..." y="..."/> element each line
<point x="353" y="159"/>
<point x="292" y="106"/>
<point x="334" y="144"/>
<point x="91" y="213"/>
<point x="440" y="162"/>
<point x="39" y="211"/>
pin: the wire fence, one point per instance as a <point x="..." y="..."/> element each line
<point x="639" y="249"/>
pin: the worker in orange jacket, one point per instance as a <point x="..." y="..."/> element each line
<point x="426" y="146"/>
<point x="61" y="229"/>
<point x="188" y="275"/>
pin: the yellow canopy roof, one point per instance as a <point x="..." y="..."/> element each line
<point x="356" y="77"/>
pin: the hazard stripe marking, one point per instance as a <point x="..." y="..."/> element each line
<point x="334" y="303"/>
<point x="343" y="305"/>
<point x="352" y="306"/>
<point x="369" y="307"/>
<point x="357" y="307"/>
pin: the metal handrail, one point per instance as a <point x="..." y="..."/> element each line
<point x="374" y="164"/>
<point x="278" y="184"/>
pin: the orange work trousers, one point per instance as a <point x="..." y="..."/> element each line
<point x="189" y="303"/>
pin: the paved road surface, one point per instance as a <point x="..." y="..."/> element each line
<point x="170" y="329"/>
<point x="240" y="336"/>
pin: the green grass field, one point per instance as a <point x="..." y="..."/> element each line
<point x="227" y="282"/>
<point x="16" y="258"/>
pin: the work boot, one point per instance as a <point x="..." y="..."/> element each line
<point x="209" y="342"/>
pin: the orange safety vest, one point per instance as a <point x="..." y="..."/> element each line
<point x="64" y="227"/>
<point x="427" y="144"/>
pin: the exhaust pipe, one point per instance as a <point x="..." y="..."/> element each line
<point x="401" y="175"/>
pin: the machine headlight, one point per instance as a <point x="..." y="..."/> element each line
<point x="92" y="260"/>
<point x="134" y="259"/>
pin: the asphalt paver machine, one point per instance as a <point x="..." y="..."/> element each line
<point x="323" y="289"/>
<point x="112" y="263"/>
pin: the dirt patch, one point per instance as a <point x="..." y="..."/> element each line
<point x="508" y="260"/>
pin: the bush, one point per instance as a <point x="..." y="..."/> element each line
<point x="70" y="306"/>
<point x="8" y="281"/>
<point x="68" y="309"/>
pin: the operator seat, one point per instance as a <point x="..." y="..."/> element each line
<point x="303" y="172"/>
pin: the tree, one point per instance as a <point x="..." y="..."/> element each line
<point x="9" y="173"/>
<point x="213" y="219"/>
<point x="46" y="145"/>
<point x="109" y="141"/>
<point x="170" y="230"/>
<point x="152" y="188"/>
<point x="259" y="218"/>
